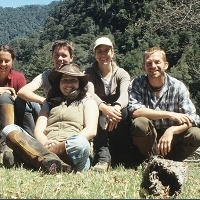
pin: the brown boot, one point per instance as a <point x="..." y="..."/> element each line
<point x="6" y="118"/>
<point x="101" y="167"/>
<point x="7" y="157"/>
<point x="34" y="153"/>
<point x="60" y="151"/>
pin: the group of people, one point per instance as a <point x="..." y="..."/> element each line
<point x="100" y="110"/>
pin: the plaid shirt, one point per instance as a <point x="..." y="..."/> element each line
<point x="174" y="97"/>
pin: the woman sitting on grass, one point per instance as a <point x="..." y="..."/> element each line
<point x="66" y="124"/>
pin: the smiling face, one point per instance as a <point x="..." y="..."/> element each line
<point x="6" y="63"/>
<point x="104" y="54"/>
<point x="68" y="84"/>
<point x="155" y="65"/>
<point x="61" y="55"/>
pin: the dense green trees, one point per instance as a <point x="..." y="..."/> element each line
<point x="22" y="21"/>
<point x="132" y="25"/>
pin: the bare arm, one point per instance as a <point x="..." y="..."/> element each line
<point x="183" y="122"/>
<point x="112" y="113"/>
<point x="40" y="126"/>
<point x="164" y="143"/>
<point x="179" y="118"/>
<point x="27" y="93"/>
<point x="91" y="114"/>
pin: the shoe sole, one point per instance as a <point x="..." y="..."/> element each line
<point x="51" y="166"/>
<point x="8" y="159"/>
<point x="100" y="169"/>
<point x="66" y="168"/>
<point x="195" y="157"/>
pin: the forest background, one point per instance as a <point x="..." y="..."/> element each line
<point x="132" y="25"/>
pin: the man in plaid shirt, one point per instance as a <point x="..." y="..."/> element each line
<point x="164" y="119"/>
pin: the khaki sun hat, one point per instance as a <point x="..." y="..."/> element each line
<point x="102" y="40"/>
<point x="70" y="69"/>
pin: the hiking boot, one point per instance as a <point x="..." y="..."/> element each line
<point x="7" y="155"/>
<point x="35" y="154"/>
<point x="66" y="168"/>
<point x="101" y="167"/>
<point x="51" y="166"/>
<point x="8" y="159"/>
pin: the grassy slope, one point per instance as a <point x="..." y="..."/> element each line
<point x="115" y="184"/>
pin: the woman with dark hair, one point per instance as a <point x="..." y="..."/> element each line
<point x="10" y="105"/>
<point x="66" y="123"/>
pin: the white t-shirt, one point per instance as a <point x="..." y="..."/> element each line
<point x="107" y="85"/>
<point x="42" y="81"/>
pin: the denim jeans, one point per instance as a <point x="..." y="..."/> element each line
<point x="6" y="98"/>
<point x="26" y="114"/>
<point x="77" y="147"/>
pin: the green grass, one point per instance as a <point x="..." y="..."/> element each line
<point x="117" y="183"/>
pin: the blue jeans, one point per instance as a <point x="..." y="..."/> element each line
<point x="26" y="114"/>
<point x="77" y="147"/>
<point x="6" y="98"/>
